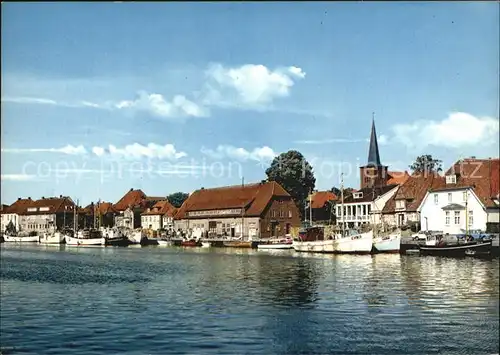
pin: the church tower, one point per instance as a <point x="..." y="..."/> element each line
<point x="373" y="174"/>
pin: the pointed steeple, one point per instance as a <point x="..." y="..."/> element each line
<point x="373" y="154"/>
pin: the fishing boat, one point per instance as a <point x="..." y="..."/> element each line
<point x="284" y="243"/>
<point x="312" y="239"/>
<point x="190" y="243"/>
<point x="20" y="238"/>
<point x="238" y="243"/>
<point x="355" y="243"/>
<point x="114" y="237"/>
<point x="165" y="242"/>
<point x="86" y="238"/>
<point x="470" y="248"/>
<point x="206" y="244"/>
<point x="387" y="244"/>
<point x="52" y="237"/>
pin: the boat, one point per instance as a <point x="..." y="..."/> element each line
<point x="311" y="239"/>
<point x="238" y="243"/>
<point x="52" y="237"/>
<point x="387" y="244"/>
<point x="86" y="238"/>
<point x="471" y="248"/>
<point x="164" y="242"/>
<point x="190" y="243"/>
<point x="20" y="238"/>
<point x="206" y="244"/>
<point x="284" y="243"/>
<point x="354" y="243"/>
<point x="114" y="237"/>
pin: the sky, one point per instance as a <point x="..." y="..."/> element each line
<point x="99" y="98"/>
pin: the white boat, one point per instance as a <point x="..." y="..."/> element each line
<point x="135" y="236"/>
<point x="82" y="239"/>
<point x="388" y="244"/>
<point x="206" y="244"/>
<point x="20" y="239"/>
<point x="315" y="246"/>
<point x="355" y="243"/>
<point x="286" y="243"/>
<point x="52" y="238"/>
<point x="163" y="242"/>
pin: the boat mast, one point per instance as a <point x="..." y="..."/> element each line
<point x="242" y="207"/>
<point x="466" y="214"/>
<point x="342" y="201"/>
<point x="310" y="207"/>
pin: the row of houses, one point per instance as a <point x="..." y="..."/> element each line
<point x="465" y="197"/>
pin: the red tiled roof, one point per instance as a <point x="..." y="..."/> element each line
<point x="18" y="206"/>
<point x="413" y="191"/>
<point x="162" y="208"/>
<point x="100" y="208"/>
<point x="54" y="205"/>
<point x="480" y="174"/>
<point x="130" y="199"/>
<point x="254" y="197"/>
<point x="320" y="198"/>
<point x="397" y="177"/>
<point x="369" y="194"/>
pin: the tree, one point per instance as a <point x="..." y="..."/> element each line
<point x="336" y="191"/>
<point x="177" y="198"/>
<point x="294" y="173"/>
<point x="426" y="164"/>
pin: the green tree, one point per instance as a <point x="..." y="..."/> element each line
<point x="426" y="164"/>
<point x="177" y="198"/>
<point x="294" y="173"/>
<point x="336" y="191"/>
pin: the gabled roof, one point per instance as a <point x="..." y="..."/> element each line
<point x="18" y="205"/>
<point x="369" y="194"/>
<point x="397" y="177"/>
<point x="100" y="208"/>
<point x="130" y="199"/>
<point x="320" y="198"/>
<point x="413" y="191"/>
<point x="482" y="175"/>
<point x="254" y="197"/>
<point x="53" y="205"/>
<point x="161" y="208"/>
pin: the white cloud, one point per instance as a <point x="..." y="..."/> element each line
<point x="253" y="84"/>
<point x="17" y="177"/>
<point x="156" y="105"/>
<point x="51" y="102"/>
<point x="227" y="151"/>
<point x="457" y="130"/>
<point x="137" y="151"/>
<point x="68" y="149"/>
<point x="383" y="139"/>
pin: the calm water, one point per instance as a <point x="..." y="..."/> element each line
<point x="199" y="301"/>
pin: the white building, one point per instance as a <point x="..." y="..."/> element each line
<point x="468" y="201"/>
<point x="365" y="206"/>
<point x="160" y="216"/>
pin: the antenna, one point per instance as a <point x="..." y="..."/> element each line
<point x="342" y="201"/>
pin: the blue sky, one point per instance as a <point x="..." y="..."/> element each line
<point x="98" y="98"/>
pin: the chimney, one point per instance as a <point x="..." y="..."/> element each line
<point x="60" y="196"/>
<point x="43" y="197"/>
<point x="19" y="198"/>
<point x="131" y="189"/>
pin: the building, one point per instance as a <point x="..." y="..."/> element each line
<point x="468" y="200"/>
<point x="364" y="206"/>
<point x="322" y="203"/>
<point x="37" y="216"/>
<point x="378" y="186"/>
<point x="160" y="216"/>
<point x="100" y="214"/>
<point x="402" y="208"/>
<point x="11" y="213"/>
<point x="255" y="210"/>
<point x="130" y="207"/>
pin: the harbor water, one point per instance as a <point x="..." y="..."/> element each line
<point x="157" y="300"/>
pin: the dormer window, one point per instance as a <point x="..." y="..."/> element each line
<point x="400" y="204"/>
<point x="451" y="179"/>
<point x="358" y="195"/>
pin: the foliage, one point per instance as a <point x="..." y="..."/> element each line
<point x="336" y="191"/>
<point x="177" y="198"/>
<point x="294" y="173"/>
<point x="426" y="164"/>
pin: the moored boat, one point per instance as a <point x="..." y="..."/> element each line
<point x="164" y="242"/>
<point x="190" y="243"/>
<point x="284" y="243"/>
<point x="474" y="248"/>
<point x="18" y="238"/>
<point x="312" y="240"/>
<point x="387" y="244"/>
<point x="86" y="238"/>
<point x="206" y="244"/>
<point x="54" y="237"/>
<point x="355" y="243"/>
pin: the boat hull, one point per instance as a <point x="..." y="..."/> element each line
<point x="355" y="244"/>
<point x="118" y="241"/>
<point x="206" y="244"/>
<point x="387" y="245"/>
<point x="315" y="246"/>
<point x="237" y="244"/>
<point x="190" y="243"/>
<point x="15" y="239"/>
<point x="56" y="238"/>
<point x="275" y="246"/>
<point x="85" y="241"/>
<point x="480" y="248"/>
<point x="165" y="243"/>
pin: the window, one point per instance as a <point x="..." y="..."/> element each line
<point x="282" y="214"/>
<point x="471" y="219"/>
<point x="436" y="199"/>
<point x="457" y="217"/>
<point x="289" y="214"/>
<point x="450" y="199"/>
<point x="451" y="179"/>
<point x="273" y="214"/>
<point x="447" y="220"/>
<point x="464" y="196"/>
<point x="32" y="209"/>
<point x="358" y="195"/>
<point x="400" y="203"/>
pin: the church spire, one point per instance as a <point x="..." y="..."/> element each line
<point x="373" y="154"/>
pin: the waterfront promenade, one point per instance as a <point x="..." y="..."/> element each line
<point x="153" y="300"/>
